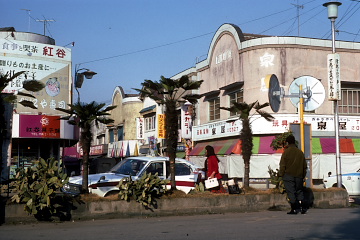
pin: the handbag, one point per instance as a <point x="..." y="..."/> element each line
<point x="234" y="189"/>
<point x="211" y="183"/>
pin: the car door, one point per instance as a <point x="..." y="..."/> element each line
<point x="351" y="181"/>
<point x="184" y="176"/>
<point x="348" y="182"/>
<point x="156" y="167"/>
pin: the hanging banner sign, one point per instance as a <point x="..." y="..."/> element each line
<point x="186" y="121"/>
<point x="334" y="82"/>
<point x="139" y="128"/>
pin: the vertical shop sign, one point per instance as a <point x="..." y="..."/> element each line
<point x="186" y="121"/>
<point x="334" y="83"/>
<point x="161" y="126"/>
<point x="140" y="128"/>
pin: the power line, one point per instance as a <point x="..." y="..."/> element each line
<point x="148" y="49"/>
<point x="250" y="21"/>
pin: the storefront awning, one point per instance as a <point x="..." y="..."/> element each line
<point x="180" y="154"/>
<point x="328" y="145"/>
<point x="222" y="147"/>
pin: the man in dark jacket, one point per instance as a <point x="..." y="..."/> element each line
<point x="293" y="170"/>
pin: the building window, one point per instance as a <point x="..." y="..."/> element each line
<point x="236" y="97"/>
<point x="120" y="133"/>
<point x="214" y="109"/>
<point x="350" y="101"/>
<point x="150" y="122"/>
<point x="100" y="139"/>
<point x="111" y="135"/>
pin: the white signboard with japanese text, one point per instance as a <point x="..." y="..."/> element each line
<point x="139" y="128"/>
<point x="334" y="82"/>
<point x="319" y="123"/>
<point x="186" y="121"/>
<point x="46" y="63"/>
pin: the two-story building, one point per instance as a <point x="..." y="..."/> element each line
<point x="35" y="133"/>
<point x="237" y="68"/>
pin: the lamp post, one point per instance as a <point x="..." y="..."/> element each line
<point x="334" y="83"/>
<point x="79" y="78"/>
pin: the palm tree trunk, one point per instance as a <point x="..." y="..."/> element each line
<point x="85" y="164"/>
<point x="172" y="136"/>
<point x="246" y="173"/>
<point x="246" y="145"/>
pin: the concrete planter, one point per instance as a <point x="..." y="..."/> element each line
<point x="187" y="206"/>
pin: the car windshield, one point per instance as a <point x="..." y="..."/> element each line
<point x="129" y="167"/>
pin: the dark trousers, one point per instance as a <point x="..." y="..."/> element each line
<point x="294" y="188"/>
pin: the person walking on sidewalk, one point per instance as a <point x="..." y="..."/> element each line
<point x="212" y="169"/>
<point x="293" y="170"/>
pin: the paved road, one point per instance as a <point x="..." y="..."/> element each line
<point x="341" y="223"/>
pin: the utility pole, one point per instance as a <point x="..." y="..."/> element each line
<point x="45" y="22"/>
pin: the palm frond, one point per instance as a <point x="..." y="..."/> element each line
<point x="27" y="103"/>
<point x="10" y="98"/>
<point x="193" y="85"/>
<point x="261" y="106"/>
<point x="192" y="98"/>
<point x="25" y="94"/>
<point x="265" y="115"/>
<point x="33" y="85"/>
<point x="65" y="110"/>
<point x="109" y="108"/>
<point x="184" y="81"/>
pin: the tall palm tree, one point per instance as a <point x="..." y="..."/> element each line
<point x="246" y="135"/>
<point x="82" y="115"/>
<point x="6" y="101"/>
<point x="171" y="94"/>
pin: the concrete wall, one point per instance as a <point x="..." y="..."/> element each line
<point x="185" y="206"/>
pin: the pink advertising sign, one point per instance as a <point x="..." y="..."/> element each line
<point x="39" y="126"/>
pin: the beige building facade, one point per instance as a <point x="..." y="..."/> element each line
<point x="237" y="68"/>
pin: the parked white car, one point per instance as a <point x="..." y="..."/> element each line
<point x="350" y="181"/>
<point x="103" y="184"/>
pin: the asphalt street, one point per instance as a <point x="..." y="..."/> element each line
<point x="343" y="223"/>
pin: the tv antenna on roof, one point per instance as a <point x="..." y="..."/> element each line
<point x="28" y="12"/>
<point x="298" y="14"/>
<point x="45" y="22"/>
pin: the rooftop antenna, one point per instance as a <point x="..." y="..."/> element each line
<point x="28" y="12"/>
<point x="45" y="22"/>
<point x="298" y="14"/>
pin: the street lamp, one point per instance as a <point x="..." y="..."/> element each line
<point x="334" y="83"/>
<point x="79" y="78"/>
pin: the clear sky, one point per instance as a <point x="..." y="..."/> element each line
<point x="126" y="42"/>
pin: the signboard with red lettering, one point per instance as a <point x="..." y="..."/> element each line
<point x="39" y="126"/>
<point x="186" y="121"/>
<point x="322" y="125"/>
<point x="45" y="63"/>
<point x="139" y="128"/>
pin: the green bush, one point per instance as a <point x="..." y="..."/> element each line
<point x="38" y="187"/>
<point x="199" y="187"/>
<point x="279" y="141"/>
<point x="144" y="190"/>
<point x="276" y="179"/>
